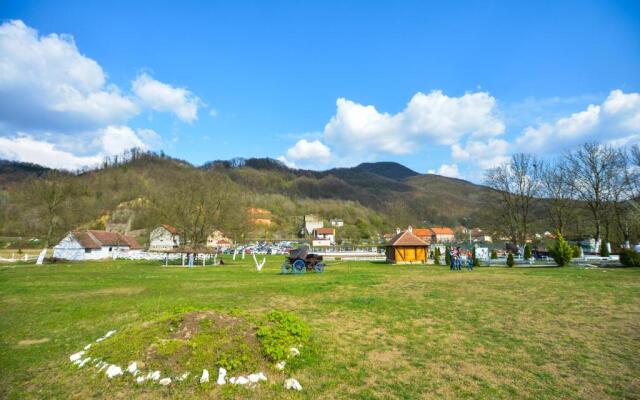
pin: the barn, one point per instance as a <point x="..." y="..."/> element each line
<point x="94" y="245"/>
<point x="406" y="248"/>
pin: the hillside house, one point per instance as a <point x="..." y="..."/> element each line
<point x="434" y="234"/>
<point x="336" y="223"/>
<point x="324" y="237"/>
<point x="478" y="235"/>
<point x="164" y="238"/>
<point x="312" y="222"/>
<point x="406" y="248"/>
<point x="217" y="240"/>
<point x="94" y="245"/>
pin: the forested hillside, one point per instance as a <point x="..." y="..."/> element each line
<point x="144" y="189"/>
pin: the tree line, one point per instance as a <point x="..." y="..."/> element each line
<point x="592" y="191"/>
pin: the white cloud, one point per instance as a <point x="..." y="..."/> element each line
<point x="616" y="120"/>
<point x="286" y="162"/>
<point x="433" y="118"/>
<point x="46" y="84"/>
<point x="160" y="96"/>
<point x="116" y="139"/>
<point x="27" y="149"/>
<point x="213" y="112"/>
<point x="305" y="150"/>
<point x="484" y="154"/>
<point x="450" y="170"/>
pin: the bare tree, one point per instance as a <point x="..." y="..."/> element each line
<point x="558" y="193"/>
<point x="518" y="182"/>
<point x="50" y="196"/>
<point x="594" y="170"/>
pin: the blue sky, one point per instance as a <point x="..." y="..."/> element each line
<point x="451" y="88"/>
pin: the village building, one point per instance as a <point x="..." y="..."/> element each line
<point x="324" y="237"/>
<point x="312" y="222"/>
<point x="94" y="245"/>
<point x="478" y="235"/>
<point x="164" y="238"/>
<point x="217" y="240"/>
<point x="336" y="223"/>
<point x="406" y="248"/>
<point x="434" y="234"/>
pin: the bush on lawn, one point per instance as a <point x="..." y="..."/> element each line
<point x="527" y="252"/>
<point x="436" y="256"/>
<point x="447" y="256"/>
<point x="476" y="261"/>
<point x="576" y="251"/>
<point x="604" y="250"/>
<point x="630" y="258"/>
<point x="561" y="251"/>
<point x="494" y="254"/>
<point x="510" y="261"/>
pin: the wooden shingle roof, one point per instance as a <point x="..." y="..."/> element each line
<point x="94" y="239"/>
<point x="406" y="238"/>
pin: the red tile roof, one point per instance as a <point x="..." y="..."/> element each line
<point x="406" y="238"/>
<point x="324" y="231"/>
<point x="170" y="228"/>
<point x="422" y="232"/>
<point x="93" y="239"/>
<point x="442" y="230"/>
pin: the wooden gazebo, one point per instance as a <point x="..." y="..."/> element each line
<point x="406" y="248"/>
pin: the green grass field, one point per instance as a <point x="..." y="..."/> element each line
<point x="377" y="331"/>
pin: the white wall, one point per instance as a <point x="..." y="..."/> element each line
<point x="162" y="239"/>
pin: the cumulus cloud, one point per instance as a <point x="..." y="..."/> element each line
<point x="616" y="120"/>
<point x="46" y="84"/>
<point x="433" y="118"/>
<point x="305" y="150"/>
<point x="164" y="97"/>
<point x="484" y="154"/>
<point x="450" y="170"/>
<point x="57" y="102"/>
<point x="28" y="149"/>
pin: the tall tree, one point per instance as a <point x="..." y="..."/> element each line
<point x="558" y="192"/>
<point x="593" y="168"/>
<point x="518" y="182"/>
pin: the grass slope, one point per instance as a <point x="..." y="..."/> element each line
<point x="380" y="331"/>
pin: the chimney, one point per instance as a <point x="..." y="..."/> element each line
<point x="410" y="229"/>
<point x="398" y="230"/>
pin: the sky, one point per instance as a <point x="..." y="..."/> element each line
<point x="450" y="87"/>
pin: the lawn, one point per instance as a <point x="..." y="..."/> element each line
<point x="377" y="331"/>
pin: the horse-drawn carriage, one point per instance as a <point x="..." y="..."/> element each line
<point x="300" y="261"/>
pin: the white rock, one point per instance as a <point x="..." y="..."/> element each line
<point x="87" y="347"/>
<point x="241" y="380"/>
<point x="141" y="379"/>
<point x="106" y="335"/>
<point x="154" y="376"/>
<point x="292" y="384"/>
<point x="280" y="365"/>
<point x="257" y="377"/>
<point x="182" y="377"/>
<point x="205" y="376"/>
<point x="76" y="356"/>
<point x="294" y="352"/>
<point x="83" y="362"/>
<point x="165" y="381"/>
<point x="113" y="371"/>
<point x="222" y="373"/>
<point x="232" y="380"/>
<point x="133" y="368"/>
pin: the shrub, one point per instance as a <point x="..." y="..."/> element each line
<point x="281" y="332"/>
<point x="604" y="250"/>
<point x="447" y="255"/>
<point x="494" y="254"/>
<point x="561" y="251"/>
<point x="630" y="258"/>
<point x="436" y="256"/>
<point x="510" y="261"/>
<point x="476" y="261"/>
<point x="576" y="250"/>
<point x="527" y="251"/>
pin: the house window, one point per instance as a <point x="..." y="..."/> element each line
<point x="110" y="248"/>
<point x="87" y="250"/>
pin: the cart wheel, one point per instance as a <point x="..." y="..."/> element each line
<point x="319" y="267"/>
<point x="285" y="268"/>
<point x="299" y="266"/>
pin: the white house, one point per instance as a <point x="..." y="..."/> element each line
<point x="163" y="238"/>
<point x="337" y="223"/>
<point x="324" y="237"/>
<point x="218" y="240"/>
<point x="94" y="245"/>
<point x="312" y="222"/>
